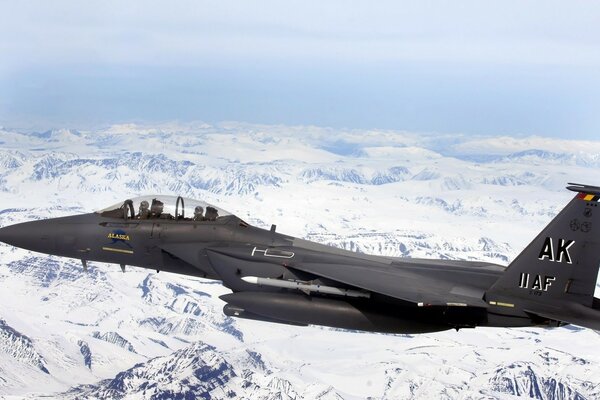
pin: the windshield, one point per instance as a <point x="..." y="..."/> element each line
<point x="164" y="207"/>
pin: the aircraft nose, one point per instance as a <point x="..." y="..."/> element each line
<point x="35" y="235"/>
<point x="4" y="235"/>
<point x="11" y="234"/>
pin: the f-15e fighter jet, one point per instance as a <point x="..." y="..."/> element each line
<point x="279" y="278"/>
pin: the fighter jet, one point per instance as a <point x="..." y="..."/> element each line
<point x="279" y="278"/>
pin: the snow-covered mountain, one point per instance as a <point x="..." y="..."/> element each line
<point x="68" y="333"/>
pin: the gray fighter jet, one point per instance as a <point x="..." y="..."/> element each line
<point x="279" y="278"/>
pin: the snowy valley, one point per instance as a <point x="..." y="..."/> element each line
<point x="103" y="333"/>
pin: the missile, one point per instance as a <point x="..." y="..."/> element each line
<point x="304" y="286"/>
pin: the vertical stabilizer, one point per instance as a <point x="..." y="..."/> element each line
<point x="561" y="263"/>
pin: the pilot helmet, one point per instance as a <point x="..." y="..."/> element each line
<point x="198" y="210"/>
<point x="157" y="206"/>
<point x="144" y="205"/>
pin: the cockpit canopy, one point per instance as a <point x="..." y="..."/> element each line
<point x="165" y="208"/>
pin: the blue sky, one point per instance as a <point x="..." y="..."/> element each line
<point x="494" y="67"/>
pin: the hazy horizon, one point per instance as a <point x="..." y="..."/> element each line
<point x="494" y="68"/>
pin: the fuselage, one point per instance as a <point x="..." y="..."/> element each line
<point x="227" y="249"/>
<point x="279" y="278"/>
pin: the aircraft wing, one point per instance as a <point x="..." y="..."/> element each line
<point x="421" y="287"/>
<point x="398" y="283"/>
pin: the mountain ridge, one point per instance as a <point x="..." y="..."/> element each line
<point x="393" y="194"/>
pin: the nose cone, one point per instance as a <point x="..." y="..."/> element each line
<point x="5" y="235"/>
<point x="36" y="236"/>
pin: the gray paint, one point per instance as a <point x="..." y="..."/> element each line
<point x="549" y="284"/>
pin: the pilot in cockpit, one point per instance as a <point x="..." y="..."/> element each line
<point x="144" y="211"/>
<point x="211" y="214"/>
<point x="156" y="209"/>
<point x="199" y="214"/>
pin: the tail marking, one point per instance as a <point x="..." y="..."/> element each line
<point x="562" y="250"/>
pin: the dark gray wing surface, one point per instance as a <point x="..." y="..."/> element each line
<point x="572" y="313"/>
<point x="399" y="283"/>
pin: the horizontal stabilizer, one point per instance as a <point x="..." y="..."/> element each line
<point x="572" y="313"/>
<point x="587" y="189"/>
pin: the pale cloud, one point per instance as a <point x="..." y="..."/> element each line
<point x="505" y="145"/>
<point x="197" y="32"/>
<point x="478" y="67"/>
